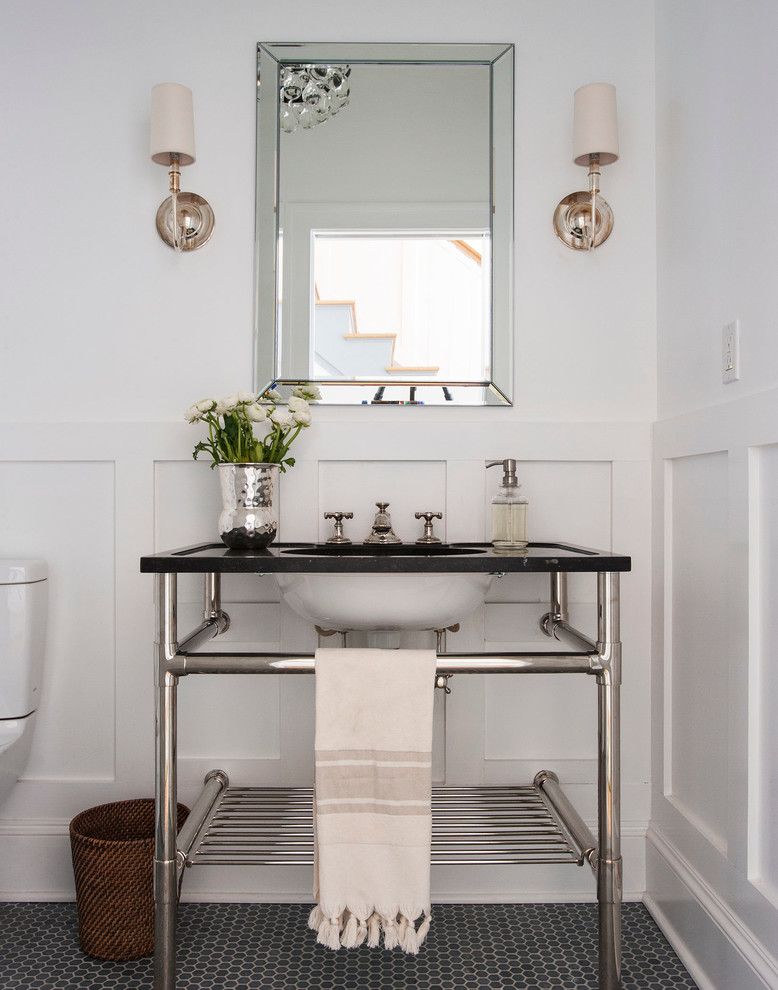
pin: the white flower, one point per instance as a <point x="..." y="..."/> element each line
<point x="308" y="391"/>
<point x="302" y="417"/>
<point x="271" y="395"/>
<point x="256" y="413"/>
<point x="192" y="414"/>
<point x="244" y="398"/>
<point x="297" y="404"/>
<point x="226" y="404"/>
<point x="205" y="405"/>
<point x="281" y="418"/>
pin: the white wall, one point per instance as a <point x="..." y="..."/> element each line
<point x="716" y="99"/>
<point x="712" y="874"/>
<point x="106" y="323"/>
<point x="108" y="335"/>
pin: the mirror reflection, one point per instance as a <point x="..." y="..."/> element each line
<point x="400" y="303"/>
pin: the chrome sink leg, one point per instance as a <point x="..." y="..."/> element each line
<point x="609" y="863"/>
<point x="557" y="603"/>
<point x="165" y="867"/>
<point x="212" y="603"/>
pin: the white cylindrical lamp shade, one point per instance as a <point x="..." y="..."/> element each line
<point x="172" y="124"/>
<point x="595" y="124"/>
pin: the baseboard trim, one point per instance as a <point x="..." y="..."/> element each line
<point x="34" y="826"/>
<point x="38" y="828"/>
<point x="763" y="964"/>
<point x="678" y="943"/>
<point x="35" y="896"/>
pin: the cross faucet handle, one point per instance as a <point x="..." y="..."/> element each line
<point x="337" y="531"/>
<point x="428" y="536"/>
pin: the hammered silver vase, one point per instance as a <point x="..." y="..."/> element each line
<point x="249" y="516"/>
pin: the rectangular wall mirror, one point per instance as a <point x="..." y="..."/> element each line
<point x="384" y="226"/>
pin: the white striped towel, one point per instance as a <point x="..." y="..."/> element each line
<point x="372" y="804"/>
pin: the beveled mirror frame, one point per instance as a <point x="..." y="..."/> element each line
<point x="498" y="390"/>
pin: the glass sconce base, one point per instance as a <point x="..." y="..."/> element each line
<point x="573" y="221"/>
<point x="194" y="221"/>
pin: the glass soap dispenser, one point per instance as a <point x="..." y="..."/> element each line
<point x="509" y="510"/>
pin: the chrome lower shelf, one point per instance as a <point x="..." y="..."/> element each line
<point x="272" y="826"/>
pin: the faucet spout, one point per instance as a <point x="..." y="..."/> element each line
<point x="382" y="531"/>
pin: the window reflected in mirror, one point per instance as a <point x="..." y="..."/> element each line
<point x="409" y="305"/>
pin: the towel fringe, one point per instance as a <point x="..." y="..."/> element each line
<point x="410" y="943"/>
<point x="329" y="933"/>
<point x="349" y="931"/>
<point x="373" y="930"/>
<point x="389" y="926"/>
<point x="349" y="937"/>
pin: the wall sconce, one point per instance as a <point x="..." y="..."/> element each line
<point x="184" y="220"/>
<point x="584" y="220"/>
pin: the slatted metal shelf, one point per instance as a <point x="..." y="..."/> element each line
<point x="272" y="826"/>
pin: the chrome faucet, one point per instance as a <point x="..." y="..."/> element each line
<point x="382" y="531"/>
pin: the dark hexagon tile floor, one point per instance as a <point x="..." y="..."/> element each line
<point x="269" y="947"/>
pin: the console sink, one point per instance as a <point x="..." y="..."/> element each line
<point x="383" y="601"/>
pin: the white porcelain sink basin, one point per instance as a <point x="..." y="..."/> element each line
<point x="384" y="601"/>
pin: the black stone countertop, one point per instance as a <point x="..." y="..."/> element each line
<point x="406" y="558"/>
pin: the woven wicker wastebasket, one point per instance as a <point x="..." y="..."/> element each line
<point x="113" y="861"/>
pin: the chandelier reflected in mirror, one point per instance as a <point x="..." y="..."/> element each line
<point x="311" y="94"/>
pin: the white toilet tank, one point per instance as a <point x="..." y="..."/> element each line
<point x="23" y="603"/>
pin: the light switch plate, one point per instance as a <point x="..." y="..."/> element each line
<point x="730" y="352"/>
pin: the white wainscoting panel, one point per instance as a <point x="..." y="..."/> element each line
<point x="522" y="714"/>
<point x="698" y="658"/>
<point x="713" y="856"/>
<point x="763" y="779"/>
<point x="409" y="487"/>
<point x="571" y="497"/>
<point x="125" y="490"/>
<point x="64" y="512"/>
<point x="186" y="502"/>
<point x="233" y="717"/>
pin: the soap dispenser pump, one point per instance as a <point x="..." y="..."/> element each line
<point x="509" y="510"/>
